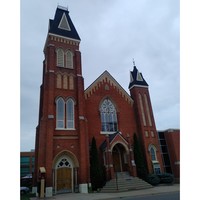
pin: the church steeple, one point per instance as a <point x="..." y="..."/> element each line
<point x="136" y="78"/>
<point x="62" y="24"/>
<point x="62" y="120"/>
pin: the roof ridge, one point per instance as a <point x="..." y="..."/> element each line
<point x="96" y="84"/>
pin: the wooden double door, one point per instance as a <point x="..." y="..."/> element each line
<point x="64" y="179"/>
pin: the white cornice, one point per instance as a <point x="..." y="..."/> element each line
<point x="75" y="40"/>
<point x="143" y="86"/>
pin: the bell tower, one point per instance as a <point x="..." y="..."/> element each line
<point x="61" y="137"/>
<point x="145" y="121"/>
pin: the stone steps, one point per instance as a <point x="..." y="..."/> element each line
<point x="125" y="182"/>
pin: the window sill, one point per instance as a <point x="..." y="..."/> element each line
<point x="155" y="161"/>
<point x="64" y="67"/>
<point x="107" y="132"/>
<point x="65" y="129"/>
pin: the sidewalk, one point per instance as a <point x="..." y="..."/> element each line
<point x="98" y="196"/>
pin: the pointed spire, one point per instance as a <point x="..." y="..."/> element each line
<point x="62" y="24"/>
<point x="136" y="78"/>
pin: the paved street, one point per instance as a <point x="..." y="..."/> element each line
<point x="166" y="196"/>
<point x="162" y="192"/>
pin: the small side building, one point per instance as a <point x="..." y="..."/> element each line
<point x="170" y="148"/>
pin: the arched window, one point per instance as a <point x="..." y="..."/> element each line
<point x="153" y="154"/>
<point x="71" y="82"/>
<point x="60" y="113"/>
<point x="108" y="116"/>
<point x="70" y="114"/>
<point x="60" y="57"/>
<point x="142" y="110"/>
<point x="65" y="82"/>
<point x="155" y="162"/>
<point x="58" y="81"/>
<point x="69" y="59"/>
<point x="147" y="109"/>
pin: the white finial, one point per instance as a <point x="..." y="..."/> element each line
<point x="133" y="62"/>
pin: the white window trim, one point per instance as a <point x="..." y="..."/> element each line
<point x="71" y="128"/>
<point x="107" y="132"/>
<point x="65" y="129"/>
<point x="63" y="58"/>
<point x="71" y="57"/>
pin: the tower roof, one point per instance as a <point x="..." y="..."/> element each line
<point x="62" y="24"/>
<point x="136" y="79"/>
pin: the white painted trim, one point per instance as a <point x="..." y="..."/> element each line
<point x="143" y="86"/>
<point x="63" y="8"/>
<point x="65" y="129"/>
<point x="64" y="37"/>
<point x="64" y="17"/>
<point x="107" y="133"/>
<point x="111" y="81"/>
<point x="83" y="188"/>
<point x="48" y="191"/>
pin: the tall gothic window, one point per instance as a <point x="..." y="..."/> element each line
<point x="65" y="81"/>
<point x="155" y="163"/>
<point x="65" y="114"/>
<point x="71" y="82"/>
<point x="70" y="113"/>
<point x="108" y="116"/>
<point x="147" y="108"/>
<point x="142" y="110"/>
<point x="60" y="57"/>
<point x="69" y="59"/>
<point x="153" y="154"/>
<point x="60" y="112"/>
<point x="58" y="81"/>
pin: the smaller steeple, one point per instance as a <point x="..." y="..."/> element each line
<point x="136" y="78"/>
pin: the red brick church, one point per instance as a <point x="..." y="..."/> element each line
<point x="70" y="116"/>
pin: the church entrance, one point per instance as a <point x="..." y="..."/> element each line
<point x="64" y="175"/>
<point x="119" y="157"/>
<point x="64" y="179"/>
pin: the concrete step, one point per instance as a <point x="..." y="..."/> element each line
<point x="125" y="182"/>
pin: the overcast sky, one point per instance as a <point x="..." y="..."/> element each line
<point x="112" y="33"/>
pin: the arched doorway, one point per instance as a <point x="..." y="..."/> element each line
<point x="65" y="173"/>
<point x="119" y="156"/>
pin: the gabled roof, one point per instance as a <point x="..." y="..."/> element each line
<point x="107" y="78"/>
<point x="62" y="24"/>
<point x="111" y="139"/>
<point x="136" y="79"/>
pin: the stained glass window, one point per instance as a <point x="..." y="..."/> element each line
<point x="108" y="116"/>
